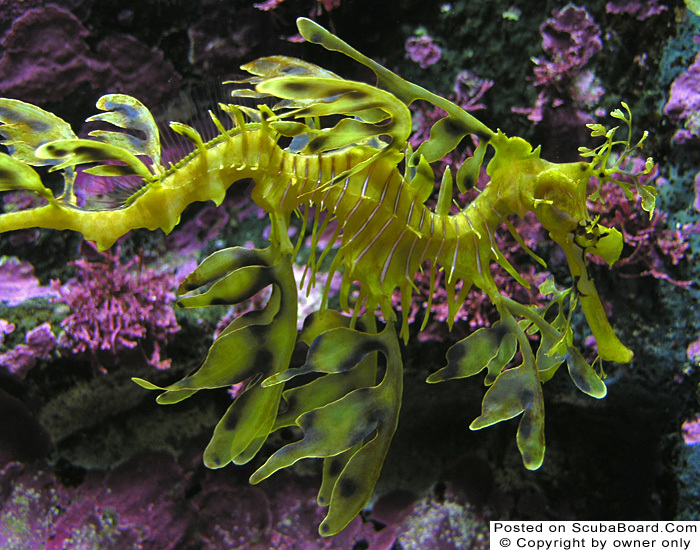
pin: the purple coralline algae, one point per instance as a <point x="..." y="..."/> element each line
<point x="46" y="56"/>
<point x="449" y="523"/>
<point x="39" y="343"/>
<point x="691" y="431"/>
<point x="46" y="46"/>
<point x="18" y="282"/>
<point x="423" y="51"/>
<point x="638" y="10"/>
<point x="138" y="70"/>
<point x="5" y="328"/>
<point x="117" y="306"/>
<point x="134" y="506"/>
<point x="683" y="104"/>
<point x="570" y="38"/>
<point x="273" y="516"/>
<point x="693" y="351"/>
<point x="152" y="503"/>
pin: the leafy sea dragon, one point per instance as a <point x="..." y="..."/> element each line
<point x="347" y="154"/>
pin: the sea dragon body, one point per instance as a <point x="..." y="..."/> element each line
<point x="374" y="188"/>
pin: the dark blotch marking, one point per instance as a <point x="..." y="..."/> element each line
<point x="583" y="167"/>
<point x="216" y="460"/>
<point x="221" y="302"/>
<point x="248" y="257"/>
<point x="581" y="382"/>
<point x="7" y="175"/>
<point x="335" y="467"/>
<point x="190" y="286"/>
<point x="257" y="332"/>
<point x="309" y="420"/>
<point x="456" y="353"/>
<point x="450" y="371"/>
<point x="93" y="152"/>
<point x="324" y="528"/>
<point x="375" y="416"/>
<point x="353" y="356"/>
<point x="289" y="434"/>
<point x="526" y="398"/>
<point x="577" y="278"/>
<point x="362" y="351"/>
<point x="263" y="359"/>
<point x="348" y="487"/>
<point x="296" y="86"/>
<point x="290" y="404"/>
<point x="56" y="151"/>
<point x="525" y="430"/>
<point x="499" y="331"/>
<point x="468" y="182"/>
<point x="316" y="144"/>
<point x="352" y="92"/>
<point x="454" y="127"/>
<point x="231" y="423"/>
<point x="358" y="94"/>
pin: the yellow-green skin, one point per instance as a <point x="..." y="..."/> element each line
<point x="372" y="184"/>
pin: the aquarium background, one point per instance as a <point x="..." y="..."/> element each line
<point x="89" y="460"/>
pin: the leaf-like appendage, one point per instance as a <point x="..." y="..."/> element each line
<point x="335" y="351"/>
<point x="606" y="243"/>
<point x="254" y="346"/>
<point x="445" y="135"/>
<point x="279" y="65"/>
<point x="517" y="391"/>
<point x="244" y="427"/>
<point x="235" y="287"/>
<point x="27" y="127"/>
<point x="15" y="174"/>
<point x="325" y="389"/>
<point x="129" y="113"/>
<point x="328" y="431"/>
<point x="583" y="375"/>
<point x="491" y="348"/>
<point x="220" y="263"/>
<point x="342" y="97"/>
<point x="84" y="151"/>
<point x="353" y="432"/>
